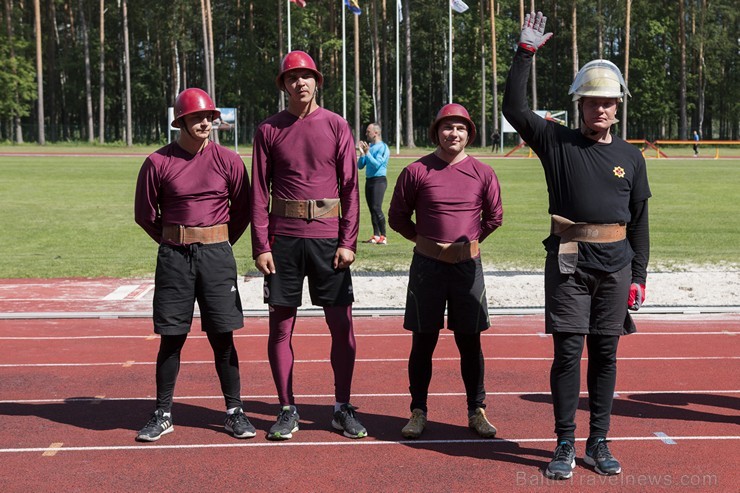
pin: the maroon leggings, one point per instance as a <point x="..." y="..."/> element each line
<point x="280" y="350"/>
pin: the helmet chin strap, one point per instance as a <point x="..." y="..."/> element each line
<point x="183" y="126"/>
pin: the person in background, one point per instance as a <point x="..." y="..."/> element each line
<point x="192" y="198"/>
<point x="696" y="144"/>
<point x="495" y="141"/>
<point x="456" y="200"/>
<point x="374" y="155"/>
<point x="305" y="221"/>
<point x="598" y="249"/>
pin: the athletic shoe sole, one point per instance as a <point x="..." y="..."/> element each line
<point x="147" y="438"/>
<point x="559" y="476"/>
<point x="337" y="426"/>
<point x="246" y="434"/>
<point x="592" y="462"/>
<point x="278" y="436"/>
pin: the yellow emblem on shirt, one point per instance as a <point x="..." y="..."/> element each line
<point x="618" y="171"/>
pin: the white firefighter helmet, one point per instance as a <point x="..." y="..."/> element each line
<point x="599" y="78"/>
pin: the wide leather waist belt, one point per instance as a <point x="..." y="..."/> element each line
<point x="185" y="235"/>
<point x="451" y="253"/>
<point x="305" y="209"/>
<point x="571" y="233"/>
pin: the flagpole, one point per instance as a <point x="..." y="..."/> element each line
<point x="398" y="83"/>
<point x="344" y="63"/>
<point x="289" y="36"/>
<point x="449" y="9"/>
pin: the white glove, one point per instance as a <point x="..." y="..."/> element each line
<point x="533" y="32"/>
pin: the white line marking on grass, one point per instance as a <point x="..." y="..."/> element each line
<point x="121" y="292"/>
<point x="343" y="443"/>
<point x="664" y="438"/>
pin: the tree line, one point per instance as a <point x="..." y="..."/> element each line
<point x="111" y="68"/>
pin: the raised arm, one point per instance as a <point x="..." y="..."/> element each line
<point x="516" y="107"/>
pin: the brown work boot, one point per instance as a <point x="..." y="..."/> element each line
<point x="481" y="425"/>
<point x="416" y="424"/>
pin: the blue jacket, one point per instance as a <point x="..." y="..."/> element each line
<point x="376" y="160"/>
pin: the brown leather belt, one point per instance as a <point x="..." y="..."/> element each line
<point x="451" y="253"/>
<point x="185" y="235"/>
<point x="571" y="233"/>
<point x="305" y="209"/>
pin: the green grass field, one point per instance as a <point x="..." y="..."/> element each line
<point x="72" y="216"/>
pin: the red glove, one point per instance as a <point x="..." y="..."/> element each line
<point x="637" y="296"/>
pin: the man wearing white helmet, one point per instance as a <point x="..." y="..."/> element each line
<point x="598" y="249"/>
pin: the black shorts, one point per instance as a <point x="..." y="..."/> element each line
<point x="588" y="301"/>
<point x="206" y="273"/>
<point x="298" y="258"/>
<point x="434" y="285"/>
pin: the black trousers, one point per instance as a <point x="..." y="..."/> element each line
<point x="374" y="193"/>
<point x="565" y="382"/>
<point x="472" y="368"/>
<point x="225" y="358"/>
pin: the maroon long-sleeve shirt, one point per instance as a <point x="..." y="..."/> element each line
<point x="453" y="202"/>
<point x="303" y="159"/>
<point x="177" y="188"/>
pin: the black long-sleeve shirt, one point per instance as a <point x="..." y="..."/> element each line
<point x="587" y="181"/>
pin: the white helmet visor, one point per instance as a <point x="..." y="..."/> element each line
<point x="599" y="78"/>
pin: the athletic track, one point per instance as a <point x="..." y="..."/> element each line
<point x="77" y="381"/>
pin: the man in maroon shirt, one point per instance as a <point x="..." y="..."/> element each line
<point x="305" y="217"/>
<point x="192" y="198"/>
<point x="457" y="202"/>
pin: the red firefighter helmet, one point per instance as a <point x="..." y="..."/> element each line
<point x="295" y="60"/>
<point x="193" y="100"/>
<point x="449" y="111"/>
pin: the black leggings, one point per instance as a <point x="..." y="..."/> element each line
<point x="225" y="359"/>
<point x="565" y="382"/>
<point x="374" y="193"/>
<point x="472" y="368"/>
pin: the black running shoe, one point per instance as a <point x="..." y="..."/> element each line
<point x="563" y="462"/>
<point x="346" y="421"/>
<point x="158" y="425"/>
<point x="286" y="425"/>
<point x="238" y="424"/>
<point x="599" y="456"/>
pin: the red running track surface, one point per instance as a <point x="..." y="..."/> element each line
<point x="74" y="391"/>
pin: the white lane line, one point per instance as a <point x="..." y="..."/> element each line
<point x="397" y="334"/>
<point x="52" y="449"/>
<point x="358" y="360"/>
<point x="99" y="399"/>
<point x="344" y="443"/>
<point x="664" y="438"/>
<point x="144" y="292"/>
<point x="121" y="292"/>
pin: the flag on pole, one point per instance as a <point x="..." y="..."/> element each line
<point x="400" y="12"/>
<point x="353" y="6"/>
<point x="459" y="6"/>
<point x="301" y="3"/>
